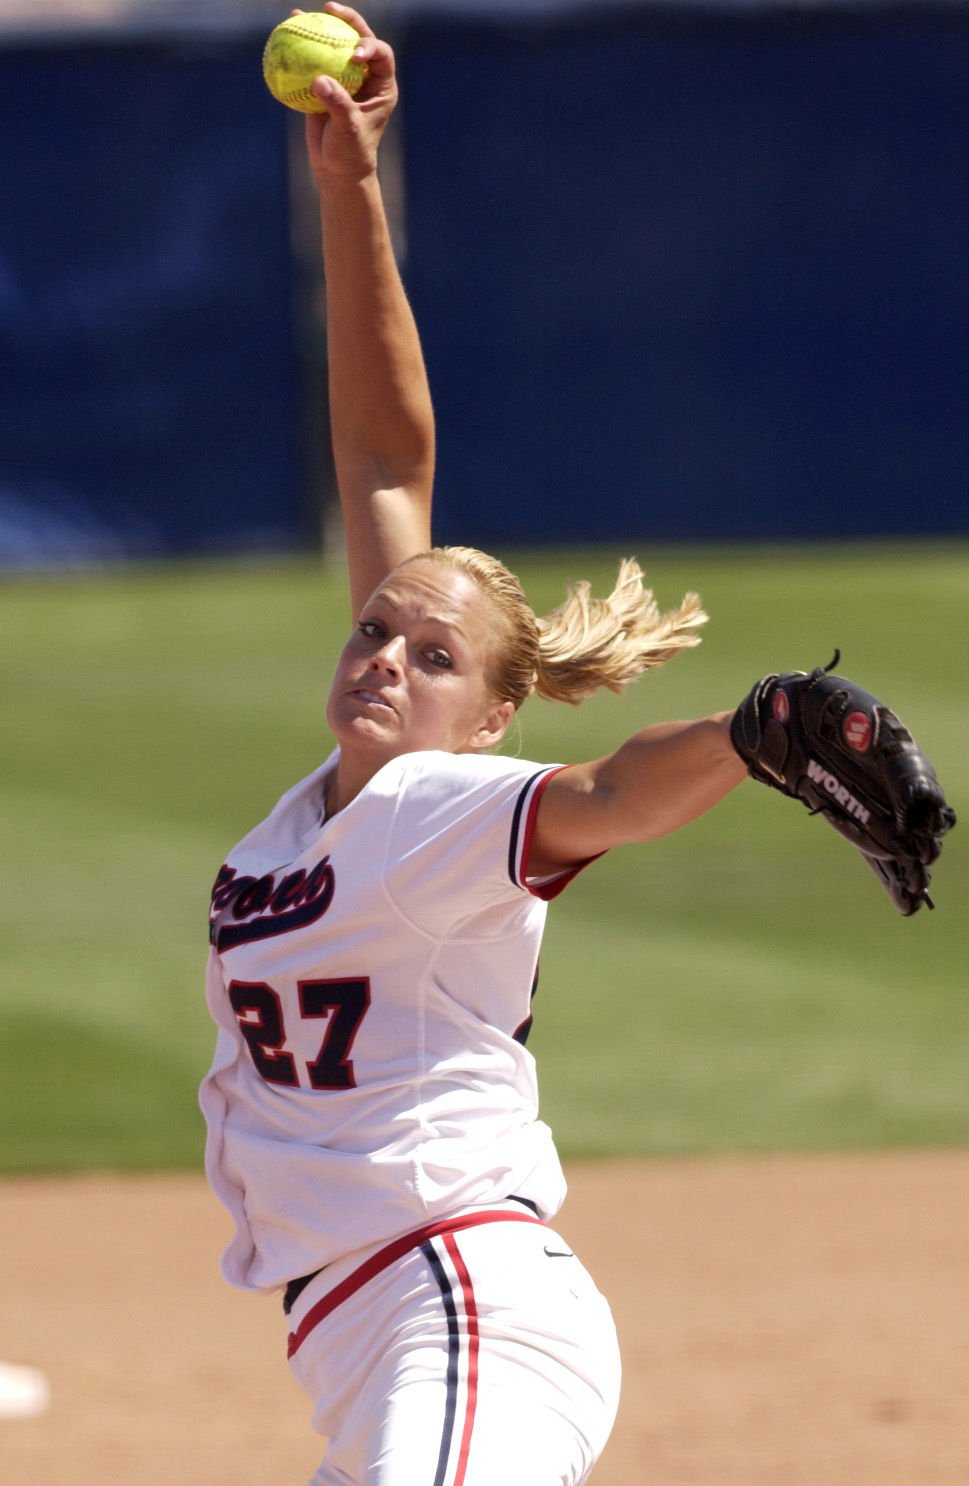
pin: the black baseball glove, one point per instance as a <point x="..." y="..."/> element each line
<point x="823" y="740"/>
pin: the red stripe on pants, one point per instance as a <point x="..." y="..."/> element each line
<point x="471" y="1312"/>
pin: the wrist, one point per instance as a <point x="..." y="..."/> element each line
<point x="339" y="185"/>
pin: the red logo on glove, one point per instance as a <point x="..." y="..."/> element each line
<point x="781" y="707"/>
<point x="857" y="731"/>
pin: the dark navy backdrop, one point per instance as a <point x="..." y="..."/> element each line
<point x="146" y="351"/>
<point x="694" y="276"/>
<point x="679" y="275"/>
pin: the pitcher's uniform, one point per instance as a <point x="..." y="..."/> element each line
<point x="373" y="1130"/>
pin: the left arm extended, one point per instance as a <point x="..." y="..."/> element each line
<point x="658" y="780"/>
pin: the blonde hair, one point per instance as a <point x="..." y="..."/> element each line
<point x="582" y="645"/>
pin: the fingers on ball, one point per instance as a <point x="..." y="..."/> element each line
<point x="353" y="17"/>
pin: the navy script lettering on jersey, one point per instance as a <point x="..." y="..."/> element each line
<point x="248" y="908"/>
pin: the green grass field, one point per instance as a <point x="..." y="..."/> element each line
<point x="743" y="985"/>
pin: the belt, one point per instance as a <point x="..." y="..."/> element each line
<point x="296" y="1287"/>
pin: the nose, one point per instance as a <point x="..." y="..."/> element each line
<point x="390" y="656"/>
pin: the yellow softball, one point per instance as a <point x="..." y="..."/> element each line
<point x="303" y="47"/>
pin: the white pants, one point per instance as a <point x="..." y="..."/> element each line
<point x="477" y="1352"/>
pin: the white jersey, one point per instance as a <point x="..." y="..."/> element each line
<point x="371" y="978"/>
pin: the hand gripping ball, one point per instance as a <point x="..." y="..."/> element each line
<point x="304" y="47"/>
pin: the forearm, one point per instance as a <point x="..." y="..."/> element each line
<point x="666" y="776"/>
<point x="657" y="781"/>
<point x="380" y="408"/>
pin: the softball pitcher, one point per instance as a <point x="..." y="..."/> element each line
<point x="372" y="1107"/>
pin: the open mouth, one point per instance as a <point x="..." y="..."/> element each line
<point x="371" y="698"/>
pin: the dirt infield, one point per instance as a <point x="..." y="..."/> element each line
<point x="783" y="1321"/>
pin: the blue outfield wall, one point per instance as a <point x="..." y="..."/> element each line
<point x="693" y="275"/>
<point x="149" y="393"/>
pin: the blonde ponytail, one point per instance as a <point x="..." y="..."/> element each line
<point x="583" y="645"/>
<point x="586" y="644"/>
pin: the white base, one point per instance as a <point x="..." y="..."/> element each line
<point x="24" y="1392"/>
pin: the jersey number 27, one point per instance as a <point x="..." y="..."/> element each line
<point x="259" y="1011"/>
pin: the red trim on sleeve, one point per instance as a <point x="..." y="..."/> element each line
<point x="551" y="889"/>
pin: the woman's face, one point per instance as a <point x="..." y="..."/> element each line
<point x="412" y="676"/>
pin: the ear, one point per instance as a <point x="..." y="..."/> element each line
<point x="492" y="728"/>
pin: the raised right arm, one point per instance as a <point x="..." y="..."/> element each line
<point x="381" y="418"/>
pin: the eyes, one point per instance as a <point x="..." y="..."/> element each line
<point x="376" y="632"/>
